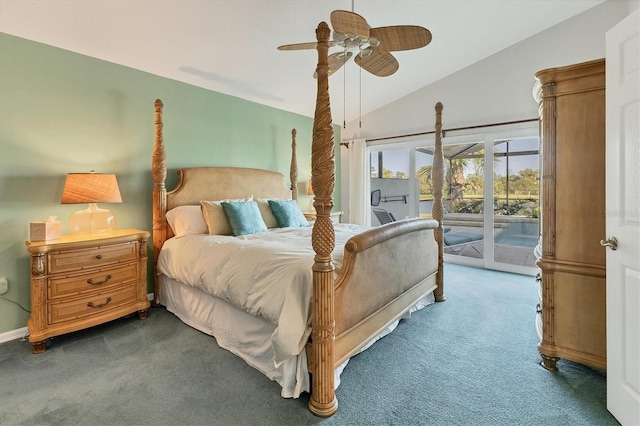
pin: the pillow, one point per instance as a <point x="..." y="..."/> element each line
<point x="267" y="215"/>
<point x="288" y="213"/>
<point x="244" y="217"/>
<point x="214" y="217"/>
<point x="186" y="220"/>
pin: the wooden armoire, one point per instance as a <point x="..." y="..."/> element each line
<point x="571" y="311"/>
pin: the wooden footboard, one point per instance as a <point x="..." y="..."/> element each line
<point x="385" y="271"/>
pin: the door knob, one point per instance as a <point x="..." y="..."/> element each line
<point x="612" y="243"/>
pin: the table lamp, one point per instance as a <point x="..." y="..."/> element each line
<point x="91" y="188"/>
<point x="310" y="192"/>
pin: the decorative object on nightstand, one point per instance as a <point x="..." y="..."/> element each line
<point x="46" y="230"/>
<point x="80" y="280"/>
<point x="91" y="188"/>
<point x="311" y="216"/>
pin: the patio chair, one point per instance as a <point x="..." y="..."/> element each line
<point x="384" y="216"/>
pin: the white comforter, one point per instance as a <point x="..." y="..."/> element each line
<point x="267" y="275"/>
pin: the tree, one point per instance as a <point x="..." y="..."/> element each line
<point x="424" y="180"/>
<point x="473" y="184"/>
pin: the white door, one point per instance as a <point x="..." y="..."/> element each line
<point x="623" y="219"/>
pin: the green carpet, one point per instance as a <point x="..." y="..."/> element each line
<point x="471" y="360"/>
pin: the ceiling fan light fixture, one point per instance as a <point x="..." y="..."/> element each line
<point x="353" y="46"/>
<point x="366" y="52"/>
<point x="339" y="37"/>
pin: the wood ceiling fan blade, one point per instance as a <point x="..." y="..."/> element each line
<point x="401" y="37"/>
<point x="346" y="22"/>
<point x="379" y="63"/>
<point x="336" y="61"/>
<point x="298" y="46"/>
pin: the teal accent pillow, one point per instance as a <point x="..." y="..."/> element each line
<point x="288" y="213"/>
<point x="244" y="217"/>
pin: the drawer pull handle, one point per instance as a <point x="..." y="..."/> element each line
<point x="91" y="305"/>
<point x="90" y="280"/>
<point x="99" y="257"/>
<point x="538" y="309"/>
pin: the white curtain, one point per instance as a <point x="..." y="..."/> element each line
<point x="359" y="183"/>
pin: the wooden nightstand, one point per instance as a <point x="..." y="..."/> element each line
<point x="311" y="216"/>
<point x="82" y="281"/>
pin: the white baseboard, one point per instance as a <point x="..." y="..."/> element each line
<point x="8" y="336"/>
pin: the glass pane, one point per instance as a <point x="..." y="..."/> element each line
<point x="516" y="201"/>
<point x="391" y="187"/>
<point x="424" y="162"/>
<point x="463" y="200"/>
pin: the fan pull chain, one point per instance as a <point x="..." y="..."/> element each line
<point x="344" y="91"/>
<point x="344" y="96"/>
<point x="360" y="119"/>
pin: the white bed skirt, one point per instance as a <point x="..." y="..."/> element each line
<point x="246" y="336"/>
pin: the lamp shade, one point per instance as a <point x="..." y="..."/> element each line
<point x="310" y="188"/>
<point x="90" y="188"/>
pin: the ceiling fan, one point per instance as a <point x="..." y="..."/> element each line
<point x="371" y="47"/>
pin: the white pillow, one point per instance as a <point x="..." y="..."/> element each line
<point x="267" y="215"/>
<point x="186" y="220"/>
<point x="216" y="222"/>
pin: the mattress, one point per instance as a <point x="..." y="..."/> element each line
<point x="267" y="275"/>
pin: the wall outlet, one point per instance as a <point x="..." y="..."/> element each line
<point x="4" y="285"/>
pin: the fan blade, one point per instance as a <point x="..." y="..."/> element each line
<point x="350" y="23"/>
<point x="336" y="61"/>
<point x="298" y="46"/>
<point x="401" y="37"/>
<point x="379" y="63"/>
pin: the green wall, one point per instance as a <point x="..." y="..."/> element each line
<point x="62" y="112"/>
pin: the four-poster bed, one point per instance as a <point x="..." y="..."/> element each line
<point x="356" y="282"/>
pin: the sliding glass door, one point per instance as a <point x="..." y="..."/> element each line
<point x="490" y="195"/>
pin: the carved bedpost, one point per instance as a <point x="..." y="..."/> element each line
<point x="437" y="211"/>
<point x="159" y="172"/>
<point x="323" y="400"/>
<point x="293" y="171"/>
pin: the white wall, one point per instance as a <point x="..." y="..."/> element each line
<point x="496" y="89"/>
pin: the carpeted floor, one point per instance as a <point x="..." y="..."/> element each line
<point x="471" y="360"/>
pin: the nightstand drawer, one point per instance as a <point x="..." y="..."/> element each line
<point x="72" y="260"/>
<point x="69" y="310"/>
<point x="93" y="281"/>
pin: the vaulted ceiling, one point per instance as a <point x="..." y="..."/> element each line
<point x="230" y="46"/>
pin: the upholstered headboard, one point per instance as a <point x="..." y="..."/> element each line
<point x="221" y="183"/>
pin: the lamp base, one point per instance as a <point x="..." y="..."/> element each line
<point x="93" y="220"/>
